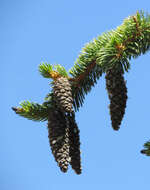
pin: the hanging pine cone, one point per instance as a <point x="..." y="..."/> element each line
<point x="59" y="138"/>
<point x="117" y="92"/>
<point x="74" y="141"/>
<point x="63" y="94"/>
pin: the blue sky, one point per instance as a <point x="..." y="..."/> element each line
<point x="55" y="31"/>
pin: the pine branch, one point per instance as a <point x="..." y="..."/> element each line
<point x="50" y="71"/>
<point x="45" y="70"/>
<point x="131" y="39"/>
<point x="33" y="111"/>
<point x="61" y="70"/>
<point x="146" y="151"/>
<point x="109" y="53"/>
<point x="113" y="49"/>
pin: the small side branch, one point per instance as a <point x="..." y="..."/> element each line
<point x="33" y="111"/>
<point x="81" y="77"/>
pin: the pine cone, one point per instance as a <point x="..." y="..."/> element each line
<point x="59" y="138"/>
<point x="117" y="92"/>
<point x="74" y="141"/>
<point x="63" y="94"/>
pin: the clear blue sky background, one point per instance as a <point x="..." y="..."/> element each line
<point x="32" y="31"/>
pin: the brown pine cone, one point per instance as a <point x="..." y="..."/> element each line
<point x="59" y="138"/>
<point x="63" y="94"/>
<point x="117" y="92"/>
<point x="74" y="142"/>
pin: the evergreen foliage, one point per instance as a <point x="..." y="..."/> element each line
<point x="147" y="149"/>
<point x="113" y="49"/>
<point x="33" y="111"/>
<point x="45" y="70"/>
<point x="50" y="71"/>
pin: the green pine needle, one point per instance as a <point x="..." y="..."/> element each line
<point x="146" y="151"/>
<point x="45" y="69"/>
<point x="33" y="111"/>
<point x="61" y="70"/>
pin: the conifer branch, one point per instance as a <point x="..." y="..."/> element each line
<point x="112" y="49"/>
<point x="119" y="45"/>
<point x="109" y="53"/>
<point x="146" y="151"/>
<point x="33" y="111"/>
<point x="81" y="77"/>
<point x="50" y="71"/>
<point x="131" y="39"/>
<point x="45" y="70"/>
